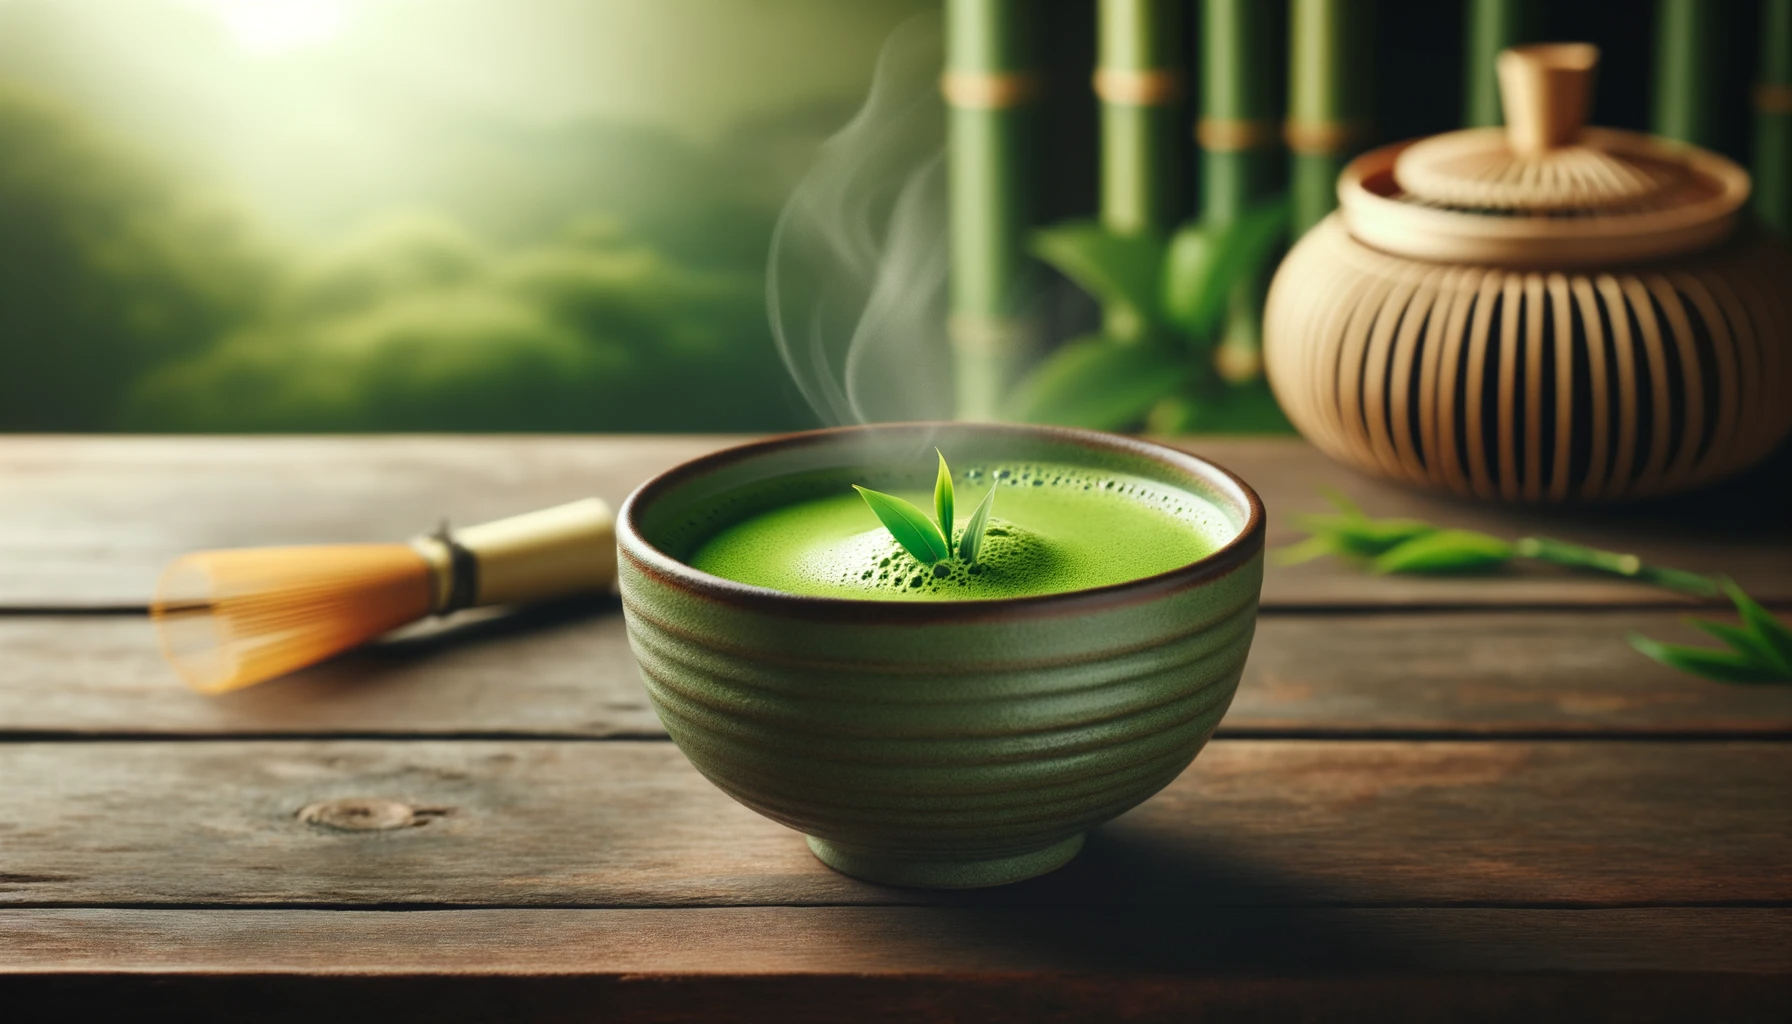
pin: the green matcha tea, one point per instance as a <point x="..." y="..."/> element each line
<point x="1054" y="528"/>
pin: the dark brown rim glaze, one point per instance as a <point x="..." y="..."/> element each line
<point x="1225" y="559"/>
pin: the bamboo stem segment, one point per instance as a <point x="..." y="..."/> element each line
<point x="989" y="85"/>
<point x="1773" y="117"/>
<point x="1491" y="26"/>
<point x="1328" y="69"/>
<point x="1688" y="48"/>
<point x="1138" y="80"/>
<point x="557" y="551"/>
<point x="1239" y="155"/>
<point x="1237" y="127"/>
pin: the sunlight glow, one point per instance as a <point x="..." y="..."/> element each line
<point x="277" y="26"/>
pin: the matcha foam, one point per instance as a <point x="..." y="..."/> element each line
<point x="1055" y="528"/>
<point x="1012" y="557"/>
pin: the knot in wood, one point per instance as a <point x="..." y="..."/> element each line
<point x="365" y="814"/>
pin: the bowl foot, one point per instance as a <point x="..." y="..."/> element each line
<point x="891" y="869"/>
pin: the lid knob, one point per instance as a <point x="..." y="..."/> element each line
<point x="1546" y="90"/>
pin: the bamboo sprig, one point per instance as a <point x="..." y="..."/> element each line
<point x="970" y="547"/>
<point x="1759" y="651"/>
<point x="942" y="499"/>
<point x="909" y="525"/>
<point x="928" y="541"/>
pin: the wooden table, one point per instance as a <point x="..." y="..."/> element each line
<point x="1432" y="799"/>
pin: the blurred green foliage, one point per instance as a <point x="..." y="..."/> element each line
<point x="130" y="300"/>
<point x="414" y="325"/>
<point x="1180" y="321"/>
<point x="108" y="266"/>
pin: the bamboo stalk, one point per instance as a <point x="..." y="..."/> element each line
<point x="1239" y="155"/>
<point x="1328" y="68"/>
<point x="1490" y="26"/>
<point x="1237" y="130"/>
<point x="1773" y="117"/>
<point x="989" y="85"/>
<point x="1138" y="79"/>
<point x="1688" y="36"/>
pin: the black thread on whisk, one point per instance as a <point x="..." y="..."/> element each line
<point x="463" y="572"/>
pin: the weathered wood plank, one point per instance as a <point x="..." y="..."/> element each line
<point x="1571" y="824"/>
<point x="563" y="670"/>
<point x="88" y="522"/>
<point x="567" y="671"/>
<point x="901" y="963"/>
<point x="91" y="521"/>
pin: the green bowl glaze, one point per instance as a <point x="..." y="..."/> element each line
<point x="938" y="744"/>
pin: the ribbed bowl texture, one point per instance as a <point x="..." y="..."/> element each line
<point x="944" y="744"/>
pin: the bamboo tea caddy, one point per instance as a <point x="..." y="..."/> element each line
<point x="1539" y="313"/>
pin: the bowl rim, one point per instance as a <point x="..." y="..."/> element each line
<point x="1234" y="554"/>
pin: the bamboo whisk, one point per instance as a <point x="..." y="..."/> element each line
<point x="228" y="619"/>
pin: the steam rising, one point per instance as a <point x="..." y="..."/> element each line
<point x="856" y="282"/>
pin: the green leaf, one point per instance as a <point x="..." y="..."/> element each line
<point x="1773" y="635"/>
<point x="1205" y="261"/>
<point x="972" y="544"/>
<point x="1723" y="666"/>
<point x="1356" y="535"/>
<point x="908" y="524"/>
<point x="1342" y="502"/>
<point x="1094" y="382"/>
<point x="1307" y="550"/>
<point x="1120" y="271"/>
<point x="1743" y="642"/>
<point x="1247" y="408"/>
<point x="942" y="499"/>
<point x="1444" y="551"/>
<point x="1679" y="579"/>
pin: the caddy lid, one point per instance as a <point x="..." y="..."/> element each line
<point x="1544" y="190"/>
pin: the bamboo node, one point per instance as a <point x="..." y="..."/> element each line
<point x="1234" y="135"/>
<point x="1773" y="98"/>
<point x="989" y="90"/>
<point x="1323" y="138"/>
<point x="1141" y="87"/>
<point x="983" y="334"/>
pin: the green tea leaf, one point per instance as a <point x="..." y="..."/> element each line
<point x="1723" y="666"/>
<point x="908" y="524"/>
<point x="1205" y="261"/>
<point x="1679" y="579"/>
<point x="1313" y="547"/>
<point x="1097" y="383"/>
<point x="1772" y="634"/>
<point x="1365" y="538"/>
<point x="1444" y="551"/>
<point x="1342" y="503"/>
<point x="1743" y="642"/>
<point x="972" y="544"/>
<point x="1121" y="271"/>
<point x="942" y="499"/>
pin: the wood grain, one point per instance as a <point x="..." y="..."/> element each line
<point x="623" y="823"/>
<point x="902" y="964"/>
<point x="566" y="670"/>
<point x="89" y="522"/>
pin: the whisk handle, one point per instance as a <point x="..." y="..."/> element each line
<point x="532" y="557"/>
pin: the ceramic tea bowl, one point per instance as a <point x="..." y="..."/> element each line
<point x="937" y="744"/>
